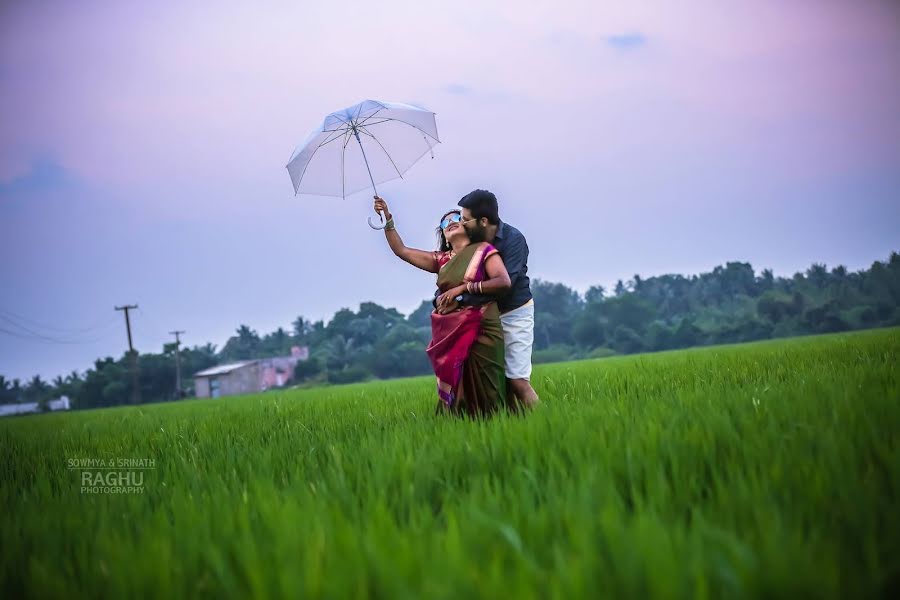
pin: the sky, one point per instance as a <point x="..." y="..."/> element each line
<point x="143" y="148"/>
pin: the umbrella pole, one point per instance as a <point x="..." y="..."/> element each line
<point x="358" y="141"/>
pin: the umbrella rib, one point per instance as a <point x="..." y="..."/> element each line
<point x="344" y="150"/>
<point x="339" y="118"/>
<point x="363" y="122"/>
<point x="346" y="138"/>
<point x="306" y="166"/>
<point x="383" y="150"/>
<point x="386" y="119"/>
<point x="337" y="137"/>
<point x="409" y="124"/>
<point x="358" y="110"/>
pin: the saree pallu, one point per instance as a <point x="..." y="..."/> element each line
<point x="466" y="349"/>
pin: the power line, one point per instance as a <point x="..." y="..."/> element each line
<point x="154" y="336"/>
<point x="23" y="321"/>
<point x="34" y="335"/>
<point x="26" y="333"/>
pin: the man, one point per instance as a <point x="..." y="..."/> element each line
<point x="480" y="217"/>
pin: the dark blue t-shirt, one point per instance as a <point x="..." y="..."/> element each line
<point x="513" y="249"/>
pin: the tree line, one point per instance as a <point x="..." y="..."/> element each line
<point x="732" y="303"/>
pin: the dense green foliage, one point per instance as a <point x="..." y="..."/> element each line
<point x="762" y="470"/>
<point x="730" y="304"/>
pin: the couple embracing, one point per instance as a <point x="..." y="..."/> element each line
<point x="483" y="322"/>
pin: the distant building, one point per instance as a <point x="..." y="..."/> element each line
<point x="61" y="403"/>
<point x="248" y="376"/>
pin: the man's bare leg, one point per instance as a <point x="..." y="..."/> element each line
<point x="524" y="392"/>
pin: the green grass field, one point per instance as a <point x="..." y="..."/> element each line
<point x="767" y="469"/>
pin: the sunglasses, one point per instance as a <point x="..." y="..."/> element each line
<point x="454" y="218"/>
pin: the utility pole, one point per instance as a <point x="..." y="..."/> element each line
<point x="177" y="363"/>
<point x="135" y="390"/>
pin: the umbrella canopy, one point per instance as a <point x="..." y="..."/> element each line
<point x="361" y="146"/>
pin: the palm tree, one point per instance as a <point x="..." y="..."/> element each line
<point x="338" y="353"/>
<point x="38" y="390"/>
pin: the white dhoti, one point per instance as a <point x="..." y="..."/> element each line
<point x="518" y="339"/>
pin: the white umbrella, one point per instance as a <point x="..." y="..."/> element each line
<point x="368" y="143"/>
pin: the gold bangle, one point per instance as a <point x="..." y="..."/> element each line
<point x="389" y="226"/>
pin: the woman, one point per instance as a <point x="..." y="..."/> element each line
<point x="466" y="348"/>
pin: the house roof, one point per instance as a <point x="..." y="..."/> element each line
<point x="223" y="369"/>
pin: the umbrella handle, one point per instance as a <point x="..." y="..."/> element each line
<point x="372" y="179"/>
<point x="374" y="225"/>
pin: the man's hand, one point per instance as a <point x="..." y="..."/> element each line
<point x="446" y="302"/>
<point x="381" y="208"/>
<point x="449" y="307"/>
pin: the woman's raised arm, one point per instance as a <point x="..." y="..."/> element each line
<point x="418" y="258"/>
